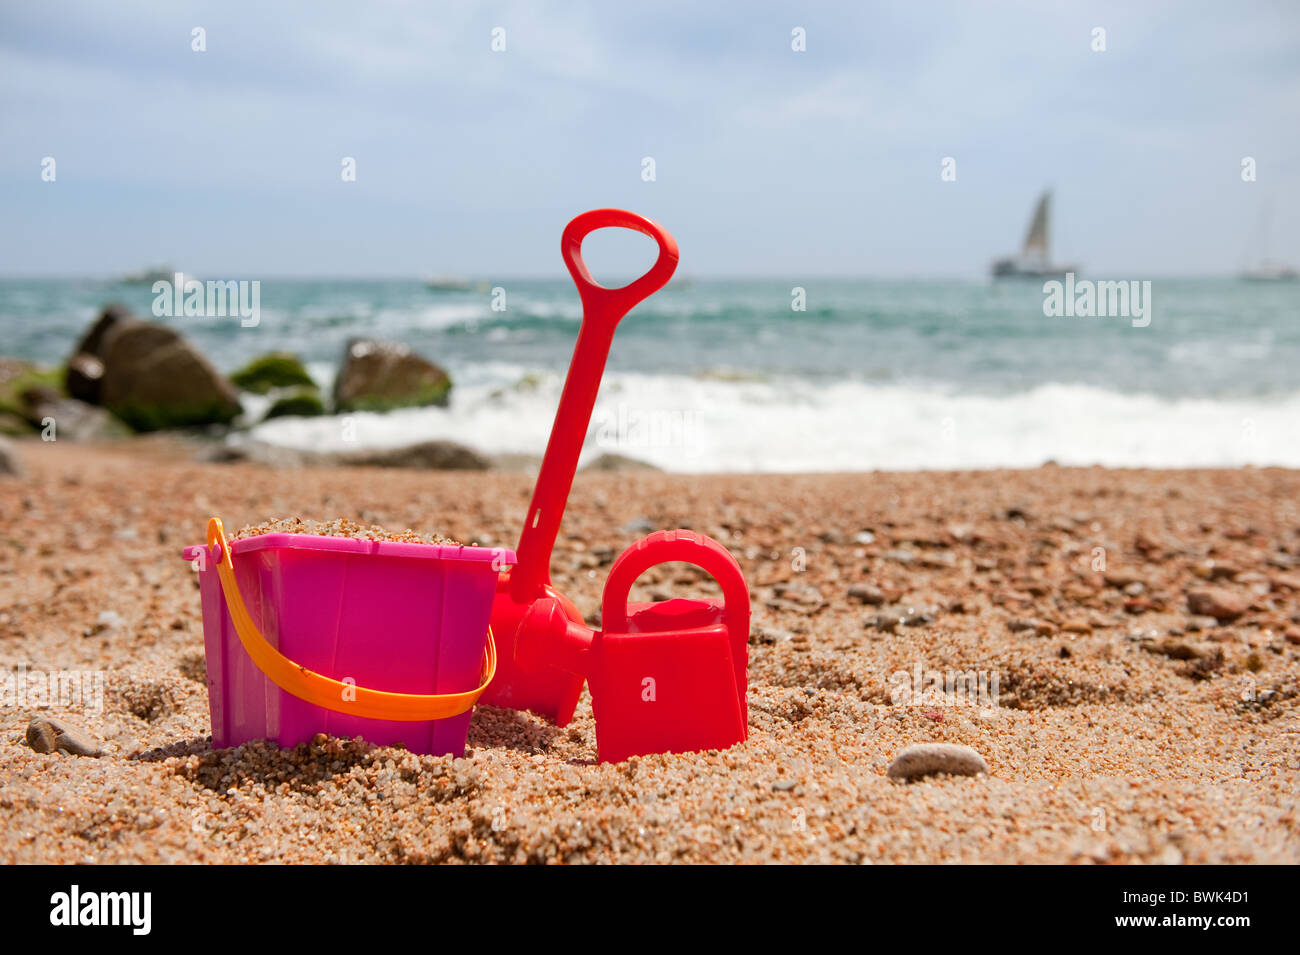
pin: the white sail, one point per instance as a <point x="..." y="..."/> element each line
<point x="1035" y="258"/>
<point x="1036" y="240"/>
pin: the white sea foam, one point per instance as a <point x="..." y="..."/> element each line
<point x="691" y="424"/>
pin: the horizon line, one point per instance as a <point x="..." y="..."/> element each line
<point x="562" y="277"/>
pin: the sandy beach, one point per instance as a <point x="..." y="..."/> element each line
<point x="1126" y="728"/>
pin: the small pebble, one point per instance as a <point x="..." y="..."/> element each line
<point x="46" y="734"/>
<point x="1175" y="650"/>
<point x="925" y="759"/>
<point x="1217" y="603"/>
<point x="890" y="618"/>
<point x="866" y="594"/>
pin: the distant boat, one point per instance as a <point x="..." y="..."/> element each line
<point x="1266" y="269"/>
<point x="1271" y="271"/>
<point x="158" y="273"/>
<point x="1035" y="259"/>
<point x="448" y="283"/>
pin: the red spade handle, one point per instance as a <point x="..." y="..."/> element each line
<point x="602" y="309"/>
<point x="605" y="306"/>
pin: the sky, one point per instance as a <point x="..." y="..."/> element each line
<point x="767" y="161"/>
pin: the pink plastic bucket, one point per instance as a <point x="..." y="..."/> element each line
<point x="391" y="616"/>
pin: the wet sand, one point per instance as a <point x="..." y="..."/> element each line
<point x="1126" y="728"/>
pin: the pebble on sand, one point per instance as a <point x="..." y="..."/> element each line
<point x="925" y="759"/>
<point x="867" y="594"/>
<point x="1216" y="602"/>
<point x="46" y="734"/>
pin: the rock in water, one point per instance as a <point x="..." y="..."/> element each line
<point x="46" y="734"/>
<point x="113" y="315"/>
<point x="20" y="379"/>
<point x="300" y="402"/>
<point x="9" y="459"/>
<point x="925" y="759"/>
<point x="276" y="370"/>
<point x="1217" y="603"/>
<point x="84" y="377"/>
<point x="85" y="374"/>
<point x="379" y="376"/>
<point x="152" y="378"/>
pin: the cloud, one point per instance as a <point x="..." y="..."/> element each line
<point x="772" y="159"/>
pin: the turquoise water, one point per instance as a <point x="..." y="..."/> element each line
<point x="872" y="374"/>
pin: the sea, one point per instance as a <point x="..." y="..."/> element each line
<point x="772" y="375"/>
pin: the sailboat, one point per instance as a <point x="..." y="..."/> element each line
<point x="448" y="283"/>
<point x="1270" y="270"/>
<point x="1035" y="260"/>
<point x="1267" y="269"/>
<point x="156" y="273"/>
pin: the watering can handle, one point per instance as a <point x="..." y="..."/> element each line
<point x="602" y="309"/>
<point x="687" y="547"/>
<point x="320" y="690"/>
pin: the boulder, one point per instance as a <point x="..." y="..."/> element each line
<point x="85" y="371"/>
<point x="300" y="403"/>
<point x="113" y="315"/>
<point x="430" y="455"/>
<point x="36" y="395"/>
<point x="276" y="370"/>
<point x="149" y="376"/>
<point x="71" y="420"/>
<point x="84" y="377"/>
<point x="18" y="378"/>
<point x="379" y="376"/>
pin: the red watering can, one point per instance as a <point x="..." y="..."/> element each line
<point x="666" y="677"/>
<point x="695" y="650"/>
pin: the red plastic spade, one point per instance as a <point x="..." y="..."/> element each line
<point x="550" y="691"/>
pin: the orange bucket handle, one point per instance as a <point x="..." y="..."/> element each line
<point x="327" y="693"/>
